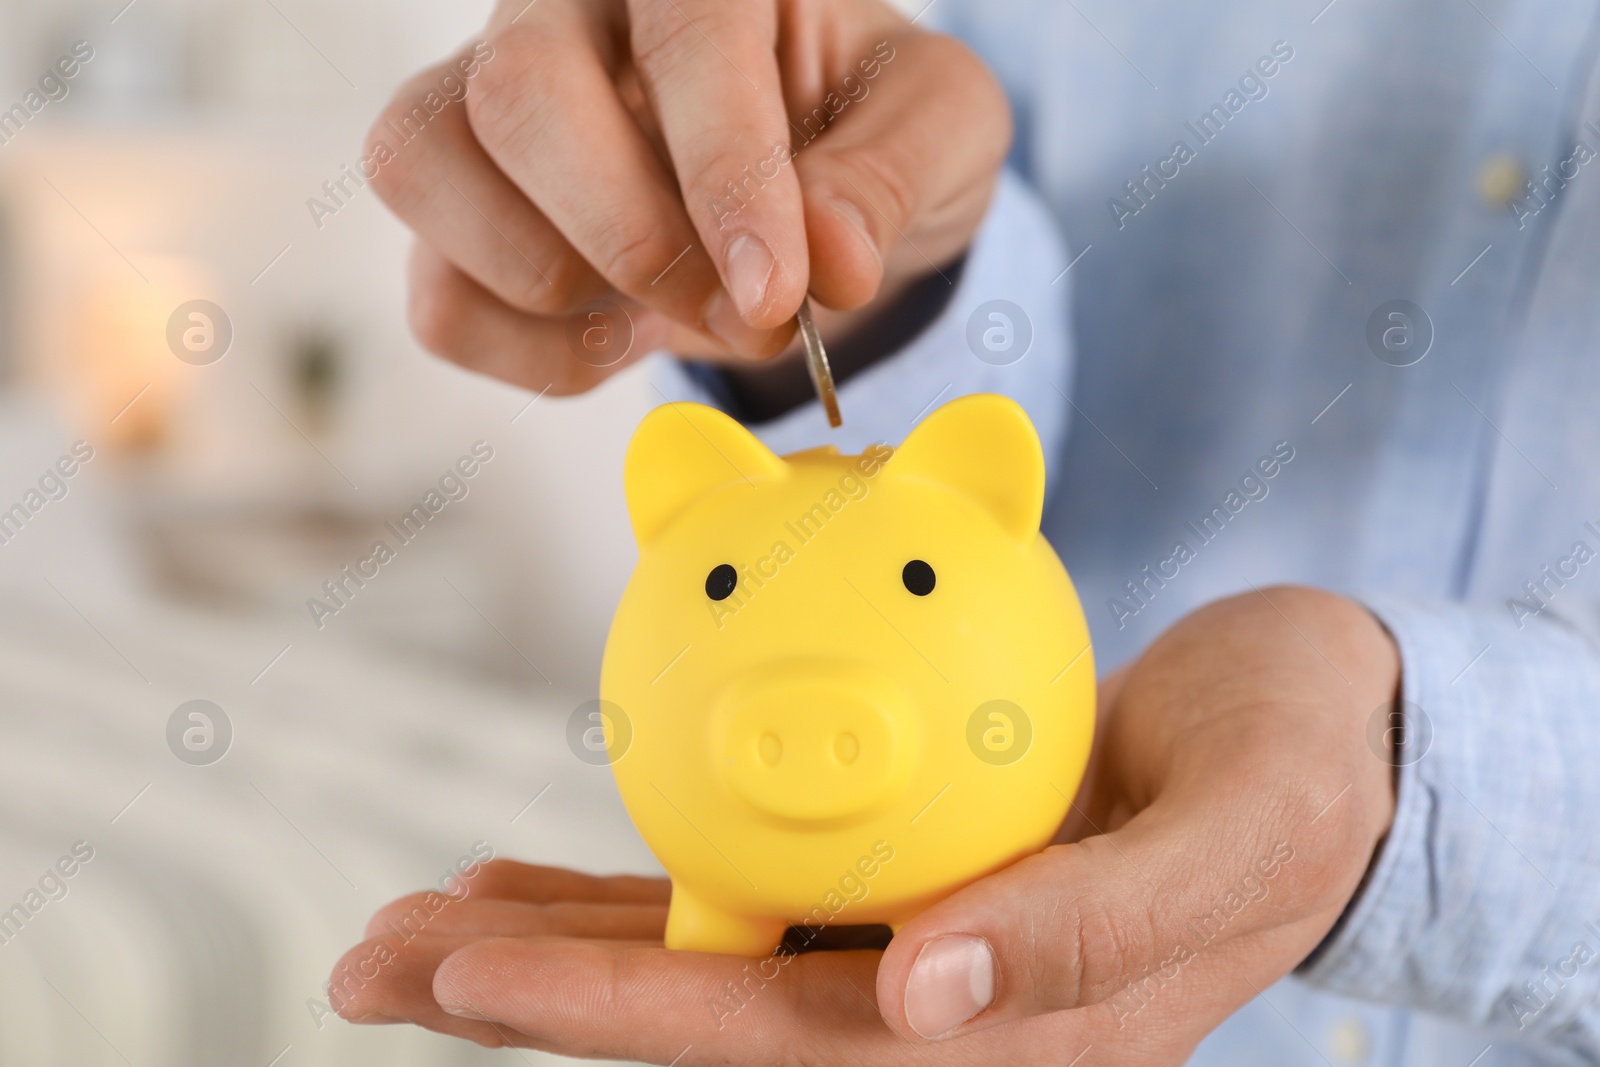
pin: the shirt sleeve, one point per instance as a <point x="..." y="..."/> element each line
<point x="1004" y="330"/>
<point x="1483" y="904"/>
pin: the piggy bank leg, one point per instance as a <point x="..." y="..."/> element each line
<point x="697" y="926"/>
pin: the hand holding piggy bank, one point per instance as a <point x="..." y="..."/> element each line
<point x="842" y="687"/>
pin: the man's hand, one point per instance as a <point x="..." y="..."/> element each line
<point x="701" y="163"/>
<point x="1231" y="811"/>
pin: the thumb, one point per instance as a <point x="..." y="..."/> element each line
<point x="1076" y="924"/>
<point x="896" y="172"/>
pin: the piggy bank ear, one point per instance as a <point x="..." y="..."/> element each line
<point x="681" y="452"/>
<point x="983" y="446"/>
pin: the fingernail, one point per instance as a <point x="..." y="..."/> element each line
<point x="375" y="1019"/>
<point x="952" y="980"/>
<point x="465" y="1011"/>
<point x="852" y="214"/>
<point x="722" y="319"/>
<point x="750" y="265"/>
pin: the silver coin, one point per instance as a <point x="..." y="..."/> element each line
<point x="817" y="363"/>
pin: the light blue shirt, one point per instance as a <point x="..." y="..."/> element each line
<point x="1216" y="316"/>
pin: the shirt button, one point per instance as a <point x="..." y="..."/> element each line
<point x="1500" y="180"/>
<point x="1349" y="1041"/>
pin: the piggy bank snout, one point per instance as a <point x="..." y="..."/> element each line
<point x="817" y="745"/>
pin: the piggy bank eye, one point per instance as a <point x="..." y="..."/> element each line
<point x="721" y="581"/>
<point x="918" y="577"/>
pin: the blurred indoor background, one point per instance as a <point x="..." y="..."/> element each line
<point x="363" y="757"/>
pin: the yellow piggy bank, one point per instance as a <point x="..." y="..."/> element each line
<point x="839" y="688"/>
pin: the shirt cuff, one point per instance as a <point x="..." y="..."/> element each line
<point x="1004" y="331"/>
<point x="1484" y="895"/>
